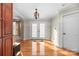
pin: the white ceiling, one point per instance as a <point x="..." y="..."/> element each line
<point x="46" y="10"/>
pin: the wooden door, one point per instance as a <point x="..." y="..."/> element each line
<point x="0" y="47"/>
<point x="0" y="22"/>
<point x="0" y="32"/>
<point x="0" y="29"/>
<point x="7" y="19"/>
<point x="7" y="45"/>
<point x="7" y="29"/>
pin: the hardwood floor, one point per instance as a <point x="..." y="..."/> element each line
<point x="45" y="48"/>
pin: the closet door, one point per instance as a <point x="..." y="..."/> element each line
<point x="71" y="31"/>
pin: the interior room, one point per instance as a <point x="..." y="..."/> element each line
<point x="39" y="29"/>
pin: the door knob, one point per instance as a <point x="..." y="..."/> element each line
<point x="64" y="33"/>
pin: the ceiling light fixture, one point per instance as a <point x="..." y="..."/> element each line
<point x="36" y="14"/>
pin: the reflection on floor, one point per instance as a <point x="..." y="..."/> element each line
<point x="45" y="48"/>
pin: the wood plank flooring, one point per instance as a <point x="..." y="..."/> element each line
<point x="45" y="48"/>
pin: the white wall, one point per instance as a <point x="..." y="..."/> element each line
<point x="55" y="30"/>
<point x="27" y="28"/>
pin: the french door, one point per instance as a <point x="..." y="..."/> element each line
<point x="38" y="30"/>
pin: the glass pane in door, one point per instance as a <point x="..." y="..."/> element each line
<point x="34" y="30"/>
<point x="42" y="30"/>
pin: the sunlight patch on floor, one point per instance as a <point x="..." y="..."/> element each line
<point x="34" y="48"/>
<point x="42" y="48"/>
<point x="48" y="45"/>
